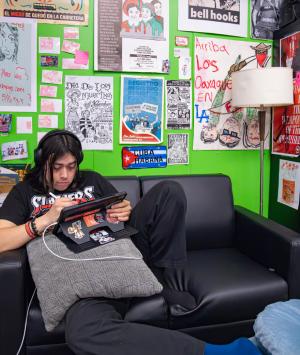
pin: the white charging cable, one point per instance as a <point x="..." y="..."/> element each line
<point x="108" y="258"/>
<point x="25" y="324"/>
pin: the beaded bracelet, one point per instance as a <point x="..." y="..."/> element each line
<point x="34" y="227"/>
<point x="29" y="231"/>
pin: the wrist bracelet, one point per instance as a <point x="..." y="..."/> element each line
<point x="34" y="228"/>
<point x="29" y="231"/>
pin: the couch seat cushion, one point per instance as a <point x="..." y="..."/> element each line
<point x="149" y="310"/>
<point x="228" y="287"/>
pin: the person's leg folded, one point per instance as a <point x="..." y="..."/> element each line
<point x="95" y="326"/>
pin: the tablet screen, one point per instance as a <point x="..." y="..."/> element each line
<point x="90" y="207"/>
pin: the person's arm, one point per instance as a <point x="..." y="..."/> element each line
<point x="13" y="236"/>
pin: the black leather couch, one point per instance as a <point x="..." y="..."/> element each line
<point x="238" y="262"/>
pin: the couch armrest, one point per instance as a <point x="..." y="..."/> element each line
<point x="271" y="244"/>
<point x="13" y="299"/>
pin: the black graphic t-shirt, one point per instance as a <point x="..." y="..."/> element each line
<point x="23" y="203"/>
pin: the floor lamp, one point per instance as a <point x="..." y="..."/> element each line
<point x="262" y="88"/>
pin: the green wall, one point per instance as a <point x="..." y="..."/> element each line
<point x="241" y="166"/>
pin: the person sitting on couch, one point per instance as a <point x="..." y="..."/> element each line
<point x="95" y="325"/>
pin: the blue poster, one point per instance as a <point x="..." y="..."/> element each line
<point x="141" y="110"/>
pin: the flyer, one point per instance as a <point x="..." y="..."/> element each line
<point x="141" y="110"/>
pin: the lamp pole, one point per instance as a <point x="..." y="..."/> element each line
<point x="262" y="124"/>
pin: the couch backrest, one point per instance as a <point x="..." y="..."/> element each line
<point x="130" y="184"/>
<point x="210" y="211"/>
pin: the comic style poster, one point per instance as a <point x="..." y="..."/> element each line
<point x="179" y="105"/>
<point x="286" y="120"/>
<point x="228" y="17"/>
<point x="132" y="35"/>
<point x="218" y="125"/>
<point x="17" y="65"/>
<point x="141" y="110"/>
<point x="48" y="11"/>
<point x="265" y="18"/>
<point x="89" y="110"/>
<point x="178" y="148"/>
<point x="288" y="183"/>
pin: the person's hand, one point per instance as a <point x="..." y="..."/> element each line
<point x="53" y="214"/>
<point x="119" y="212"/>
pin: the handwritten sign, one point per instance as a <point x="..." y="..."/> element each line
<point x="218" y="125"/>
<point x="17" y="65"/>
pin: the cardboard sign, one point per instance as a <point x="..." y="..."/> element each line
<point x="144" y="157"/>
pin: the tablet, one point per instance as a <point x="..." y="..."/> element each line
<point x="90" y="207"/>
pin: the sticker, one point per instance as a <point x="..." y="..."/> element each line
<point x="181" y="41"/>
<point x="49" y="45"/>
<point x="5" y="122"/>
<point x="144" y="157"/>
<point x="49" y="60"/>
<point x="76" y="229"/>
<point x="71" y="33"/>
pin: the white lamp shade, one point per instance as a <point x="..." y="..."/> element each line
<point x="266" y="87"/>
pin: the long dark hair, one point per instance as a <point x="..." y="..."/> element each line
<point x="47" y="152"/>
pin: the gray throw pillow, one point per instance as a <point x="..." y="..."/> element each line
<point x="60" y="283"/>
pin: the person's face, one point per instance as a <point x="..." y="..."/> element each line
<point x="64" y="171"/>
<point x="157" y="8"/>
<point x="133" y="13"/>
<point x="7" y="42"/>
<point x="146" y="14"/>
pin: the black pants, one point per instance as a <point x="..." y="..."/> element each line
<point x="96" y="326"/>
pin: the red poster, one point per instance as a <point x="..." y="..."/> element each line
<point x="286" y="130"/>
<point x="286" y="120"/>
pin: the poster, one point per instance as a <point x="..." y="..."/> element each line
<point x="132" y="35"/>
<point x="17" y="65"/>
<point x="179" y="105"/>
<point x="14" y="150"/>
<point x="141" y="110"/>
<point x="286" y="120"/>
<point x="89" y="110"/>
<point x="228" y="17"/>
<point x="49" y="11"/>
<point x="265" y="18"/>
<point x="178" y="149"/>
<point x="288" y="183"/>
<point x="217" y="124"/>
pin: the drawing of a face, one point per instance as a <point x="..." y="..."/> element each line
<point x="134" y="13"/>
<point x="253" y="133"/>
<point x="157" y="9"/>
<point x="209" y="134"/>
<point x="230" y="133"/>
<point x="146" y="14"/>
<point x="8" y="41"/>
